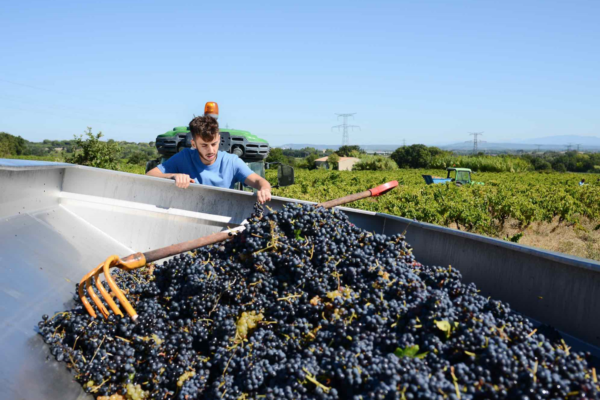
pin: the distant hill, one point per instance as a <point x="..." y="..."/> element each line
<point x="592" y="141"/>
<point x="531" y="145"/>
<point x="372" y="147"/>
<point x="550" y="143"/>
<point x="485" y="146"/>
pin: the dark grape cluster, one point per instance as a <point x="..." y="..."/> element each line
<point x="305" y="305"/>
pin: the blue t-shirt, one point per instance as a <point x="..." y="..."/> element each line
<point x="225" y="172"/>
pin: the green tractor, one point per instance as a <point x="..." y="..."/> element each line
<point x="250" y="148"/>
<point x="459" y="176"/>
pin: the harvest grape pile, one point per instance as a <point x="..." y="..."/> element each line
<point x="305" y="305"/>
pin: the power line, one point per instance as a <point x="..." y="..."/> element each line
<point x="475" y="134"/>
<point x="344" y="126"/>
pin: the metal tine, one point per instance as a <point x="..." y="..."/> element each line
<point x="111" y="303"/>
<point x="84" y="300"/>
<point x="94" y="275"/>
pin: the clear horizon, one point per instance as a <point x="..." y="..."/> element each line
<point x="426" y="72"/>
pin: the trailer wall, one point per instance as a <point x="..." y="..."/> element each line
<point x="57" y="222"/>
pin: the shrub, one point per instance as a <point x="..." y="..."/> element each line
<point x="95" y="153"/>
<point x="375" y="163"/>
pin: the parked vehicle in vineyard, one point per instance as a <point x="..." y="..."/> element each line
<point x="459" y="176"/>
<point x="250" y="148"/>
<point x="59" y="220"/>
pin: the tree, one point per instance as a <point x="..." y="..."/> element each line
<point x="276" y="155"/>
<point x="4" y="149"/>
<point x="349" y="151"/>
<point x="375" y="163"/>
<point x="559" y="167"/>
<point x="94" y="152"/>
<point x="139" y="157"/>
<point x="333" y="160"/>
<point x="291" y="161"/>
<point x="12" y="145"/>
<point x="414" y="156"/>
<point x="309" y="162"/>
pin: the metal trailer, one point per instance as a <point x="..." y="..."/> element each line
<point x="57" y="221"/>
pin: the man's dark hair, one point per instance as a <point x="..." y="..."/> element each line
<point x="205" y="127"/>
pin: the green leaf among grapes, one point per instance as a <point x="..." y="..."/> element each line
<point x="410" y="351"/>
<point x="297" y="233"/>
<point x="443" y="326"/>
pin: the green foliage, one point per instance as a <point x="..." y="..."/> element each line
<point x="138" y="158"/>
<point x="559" y="167"/>
<point x="421" y="156"/>
<point x="309" y="162"/>
<point x="416" y="156"/>
<point x="524" y="197"/>
<point x="515" y="238"/>
<point x="4" y="149"/>
<point x="12" y="145"/>
<point x="375" y="163"/>
<point x="276" y="155"/>
<point x="55" y="157"/>
<point x="95" y="153"/>
<point x="482" y="163"/>
<point x="349" y="151"/>
<point x="561" y="162"/>
<point x="333" y="160"/>
<point x="410" y="351"/>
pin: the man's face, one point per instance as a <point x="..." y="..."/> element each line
<point x="207" y="150"/>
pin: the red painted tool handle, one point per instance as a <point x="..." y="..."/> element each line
<point x="381" y="189"/>
<point x="164" y="252"/>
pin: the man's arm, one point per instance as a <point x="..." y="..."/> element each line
<point x="262" y="185"/>
<point x="181" y="180"/>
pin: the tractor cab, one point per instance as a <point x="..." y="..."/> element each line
<point x="459" y="175"/>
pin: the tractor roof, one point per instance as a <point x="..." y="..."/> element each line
<point x="250" y="137"/>
<point x="233" y="132"/>
<point x="458" y="169"/>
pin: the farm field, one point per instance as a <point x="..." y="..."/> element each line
<point x="547" y="210"/>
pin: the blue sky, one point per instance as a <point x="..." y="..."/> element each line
<point x="425" y="71"/>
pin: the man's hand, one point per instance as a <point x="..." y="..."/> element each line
<point x="182" y="180"/>
<point x="262" y="186"/>
<point x="264" y="195"/>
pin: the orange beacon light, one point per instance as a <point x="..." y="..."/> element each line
<point x="211" y="109"/>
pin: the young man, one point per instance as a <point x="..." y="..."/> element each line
<point x="205" y="164"/>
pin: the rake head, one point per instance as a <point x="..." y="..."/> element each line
<point x="129" y="263"/>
